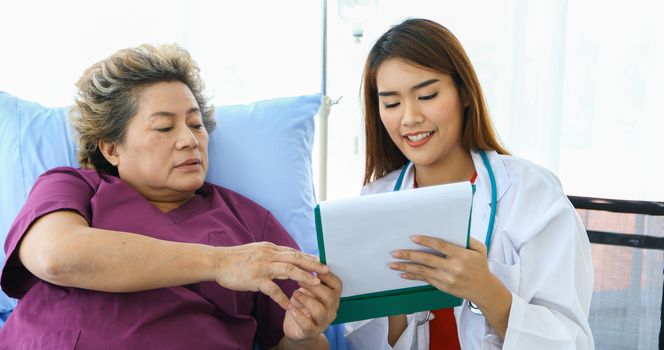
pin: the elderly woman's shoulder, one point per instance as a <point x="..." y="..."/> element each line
<point x="231" y="198"/>
<point x="69" y="174"/>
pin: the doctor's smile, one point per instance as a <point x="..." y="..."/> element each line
<point x="417" y="139"/>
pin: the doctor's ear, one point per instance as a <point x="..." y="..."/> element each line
<point x="464" y="96"/>
<point x="110" y="151"/>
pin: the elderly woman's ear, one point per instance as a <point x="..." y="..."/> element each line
<point x="110" y="152"/>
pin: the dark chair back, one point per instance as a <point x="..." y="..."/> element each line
<point x="627" y="239"/>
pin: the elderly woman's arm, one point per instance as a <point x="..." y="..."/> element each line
<point x="62" y="249"/>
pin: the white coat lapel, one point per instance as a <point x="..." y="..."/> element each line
<point x="482" y="199"/>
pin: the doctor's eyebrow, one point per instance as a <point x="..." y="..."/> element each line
<point x="171" y="114"/>
<point x="415" y="87"/>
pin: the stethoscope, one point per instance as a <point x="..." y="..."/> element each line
<point x="494" y="198"/>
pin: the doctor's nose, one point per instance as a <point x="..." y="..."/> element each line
<point x="412" y="115"/>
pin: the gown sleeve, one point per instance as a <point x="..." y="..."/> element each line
<point x="58" y="189"/>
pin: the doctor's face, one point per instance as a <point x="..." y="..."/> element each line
<point x="421" y="111"/>
<point x="164" y="153"/>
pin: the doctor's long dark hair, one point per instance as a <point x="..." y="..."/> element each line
<point x="429" y="45"/>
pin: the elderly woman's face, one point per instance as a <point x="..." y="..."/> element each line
<point x="164" y="154"/>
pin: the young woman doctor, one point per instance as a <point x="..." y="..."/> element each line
<point x="526" y="278"/>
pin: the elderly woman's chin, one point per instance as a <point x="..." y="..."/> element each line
<point x="180" y="181"/>
<point x="189" y="182"/>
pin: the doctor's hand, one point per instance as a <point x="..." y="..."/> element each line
<point x="312" y="310"/>
<point x="254" y="266"/>
<point x="461" y="272"/>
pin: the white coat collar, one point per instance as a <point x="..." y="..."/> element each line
<point x="408" y="181"/>
<point x="483" y="183"/>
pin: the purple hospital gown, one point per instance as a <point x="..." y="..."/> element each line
<point x="196" y="316"/>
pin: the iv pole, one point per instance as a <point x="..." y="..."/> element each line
<point x="326" y="105"/>
<point x="324" y="112"/>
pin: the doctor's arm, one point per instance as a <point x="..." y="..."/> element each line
<point x="550" y="309"/>
<point x="547" y="309"/>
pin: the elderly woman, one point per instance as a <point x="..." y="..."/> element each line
<point x="136" y="251"/>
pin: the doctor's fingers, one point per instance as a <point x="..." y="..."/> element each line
<point x="433" y="276"/>
<point x="424" y="258"/>
<point x="455" y="283"/>
<point x="424" y="271"/>
<point x="477" y="246"/>
<point x="437" y="244"/>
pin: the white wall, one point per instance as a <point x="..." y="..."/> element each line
<point x="247" y="50"/>
<point x="572" y="85"/>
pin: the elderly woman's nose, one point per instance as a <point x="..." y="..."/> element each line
<point x="186" y="138"/>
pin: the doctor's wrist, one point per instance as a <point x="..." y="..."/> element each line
<point x="496" y="305"/>
<point x="495" y="295"/>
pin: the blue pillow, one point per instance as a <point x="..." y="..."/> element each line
<point x="261" y="150"/>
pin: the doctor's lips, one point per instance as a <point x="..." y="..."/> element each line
<point x="417" y="138"/>
<point x="191" y="162"/>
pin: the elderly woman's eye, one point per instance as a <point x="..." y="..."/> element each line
<point x="167" y="129"/>
<point x="198" y="126"/>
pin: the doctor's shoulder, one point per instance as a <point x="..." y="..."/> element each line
<point x="525" y="175"/>
<point x="533" y="188"/>
<point x="384" y="184"/>
<point x="534" y="199"/>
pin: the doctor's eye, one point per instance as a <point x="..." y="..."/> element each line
<point x="391" y="105"/>
<point x="427" y="97"/>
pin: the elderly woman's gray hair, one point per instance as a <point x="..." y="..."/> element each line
<point x="108" y="96"/>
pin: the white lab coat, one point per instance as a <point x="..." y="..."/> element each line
<point x="539" y="250"/>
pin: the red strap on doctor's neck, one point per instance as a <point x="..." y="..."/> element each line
<point x="473" y="179"/>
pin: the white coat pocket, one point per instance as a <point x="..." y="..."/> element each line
<point x="508" y="274"/>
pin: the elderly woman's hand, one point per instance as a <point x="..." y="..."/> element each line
<point x="254" y="266"/>
<point x="312" y="309"/>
